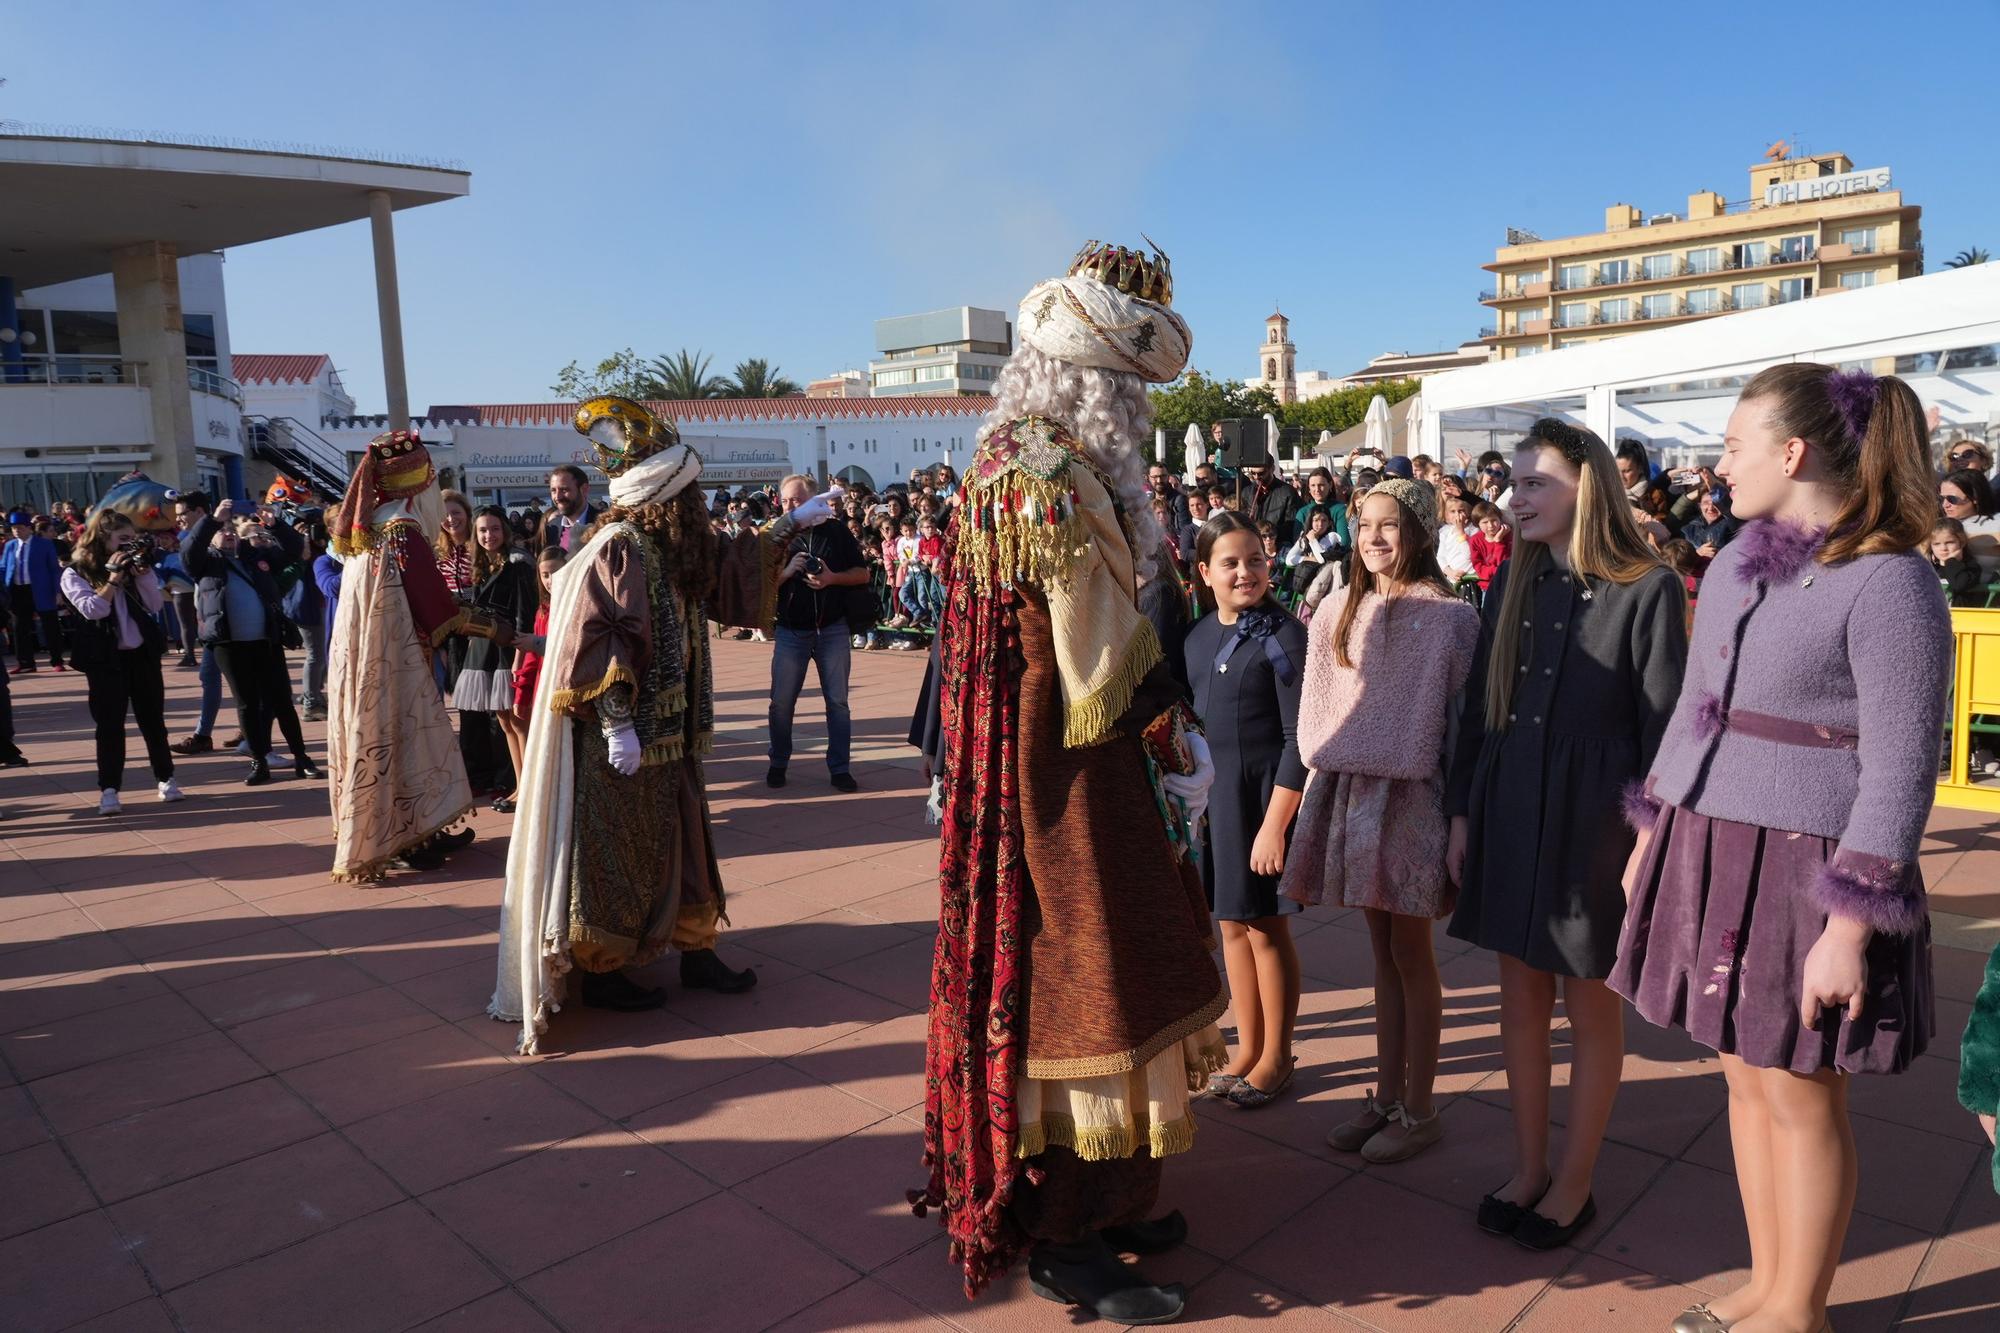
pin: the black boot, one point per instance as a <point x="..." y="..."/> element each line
<point x="1155" y="1236"/>
<point x="447" y="843"/>
<point x="1090" y="1275"/>
<point x="615" y="990"/>
<point x="702" y="970"/>
<point x="260" y="772"/>
<point x="306" y="768"/>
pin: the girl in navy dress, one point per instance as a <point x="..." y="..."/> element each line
<point x="1246" y="662"/>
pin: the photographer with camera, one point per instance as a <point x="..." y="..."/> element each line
<point x="235" y="562"/>
<point x="821" y="564"/>
<point x="117" y="644"/>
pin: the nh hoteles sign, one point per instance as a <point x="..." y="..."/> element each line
<point x="1827" y="187"/>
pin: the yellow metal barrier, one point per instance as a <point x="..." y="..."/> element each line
<point x="1975" y="694"/>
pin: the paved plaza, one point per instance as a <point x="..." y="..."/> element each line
<point x="237" y="1096"/>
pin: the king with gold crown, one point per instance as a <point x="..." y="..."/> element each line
<point x="612" y="861"/>
<point x="1073" y="1000"/>
<point x="398" y="780"/>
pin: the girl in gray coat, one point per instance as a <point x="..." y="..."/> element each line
<point x="1777" y="911"/>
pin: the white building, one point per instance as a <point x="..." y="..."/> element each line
<point x="960" y="350"/>
<point x="502" y="453"/>
<point x="1419" y="365"/>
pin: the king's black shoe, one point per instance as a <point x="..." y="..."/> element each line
<point x="615" y="990"/>
<point x="702" y="970"/>
<point x="1089" y="1275"/>
<point x="1154" y="1236"/>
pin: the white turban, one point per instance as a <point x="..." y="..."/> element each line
<point x="1087" y="322"/>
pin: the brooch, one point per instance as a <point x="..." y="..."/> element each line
<point x="1808" y="582"/>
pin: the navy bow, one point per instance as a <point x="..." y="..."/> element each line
<point x="1259" y="623"/>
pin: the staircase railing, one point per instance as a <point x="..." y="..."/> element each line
<point x="300" y="450"/>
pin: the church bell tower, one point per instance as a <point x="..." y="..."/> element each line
<point x="1279" y="358"/>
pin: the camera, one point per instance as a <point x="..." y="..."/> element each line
<point x="814" y="564"/>
<point x="140" y="551"/>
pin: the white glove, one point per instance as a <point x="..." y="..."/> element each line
<point x="625" y="747"/>
<point x="1191" y="789"/>
<point x="818" y="509"/>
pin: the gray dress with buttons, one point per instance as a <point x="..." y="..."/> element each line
<point x="1599" y="671"/>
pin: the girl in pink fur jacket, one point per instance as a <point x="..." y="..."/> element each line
<point x="1386" y="657"/>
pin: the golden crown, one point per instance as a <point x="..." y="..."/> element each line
<point x="1130" y="271"/>
<point x="392" y="445"/>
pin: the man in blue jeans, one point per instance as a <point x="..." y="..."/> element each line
<point x="190" y="507"/>
<point x="817" y="563"/>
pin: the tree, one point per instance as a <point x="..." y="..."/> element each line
<point x="1204" y="400"/>
<point x="1345" y="408"/>
<point x="758" y="378"/>
<point x="1967" y="258"/>
<point x="621" y="373"/>
<point x="685" y="375"/>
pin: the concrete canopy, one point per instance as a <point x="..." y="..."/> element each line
<point x="67" y="204"/>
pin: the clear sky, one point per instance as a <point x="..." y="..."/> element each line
<point x="763" y="179"/>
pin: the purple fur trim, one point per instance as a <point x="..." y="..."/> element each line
<point x="1871" y="890"/>
<point x="1709" y="717"/>
<point x="1853" y="393"/>
<point x="1640" y="807"/>
<point x="1773" y="551"/>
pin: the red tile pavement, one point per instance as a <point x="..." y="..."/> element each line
<point x="235" y="1095"/>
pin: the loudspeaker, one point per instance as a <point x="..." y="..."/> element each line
<point x="1245" y="443"/>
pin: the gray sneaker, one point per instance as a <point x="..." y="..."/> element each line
<point x="1403" y="1137"/>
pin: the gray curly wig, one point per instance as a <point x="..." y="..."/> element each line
<point x="1111" y="416"/>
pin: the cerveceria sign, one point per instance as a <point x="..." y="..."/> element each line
<point x="1827" y="187"/>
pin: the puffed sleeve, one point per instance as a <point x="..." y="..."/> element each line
<point x="606" y="640"/>
<point x="1899" y="649"/>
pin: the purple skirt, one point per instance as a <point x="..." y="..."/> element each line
<point x="1715" y="943"/>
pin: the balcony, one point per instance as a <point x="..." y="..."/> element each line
<point x="1839" y="250"/>
<point x="70" y="402"/>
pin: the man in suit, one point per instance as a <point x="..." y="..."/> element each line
<point x="570" y="510"/>
<point x="30" y="569"/>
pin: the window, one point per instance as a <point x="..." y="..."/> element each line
<point x="1527" y="349"/>
<point x="888" y="377"/>
<point x="1614" y="312"/>
<point x="1706" y="301"/>
<point x="1706" y="260"/>
<point x="1747" y="295"/>
<point x="1658" y="266"/>
<point x="1860" y="239"/>
<point x="1614" y="270"/>
<point x="1794" y="289"/>
<point x="85" y="333"/>
<point x="1796" y="249"/>
<point x="928" y="374"/>
<point x="1527" y="317"/>
<point x="1657" y="306"/>
<point x="1569" y="277"/>
<point x="199" y="331"/>
<point x="1572" y="316"/>
<point x="1752" y="254"/>
<point x="1850" y="282"/>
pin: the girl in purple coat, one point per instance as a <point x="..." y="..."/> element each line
<point x="1776" y="909"/>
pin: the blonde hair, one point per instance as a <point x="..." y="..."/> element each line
<point x="1604" y="543"/>
<point x="1111" y="416"/>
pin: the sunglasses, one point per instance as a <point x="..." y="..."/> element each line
<point x="1966" y="456"/>
<point x="1946" y="497"/>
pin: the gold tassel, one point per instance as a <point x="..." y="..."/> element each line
<point x="449" y="628"/>
<point x="1104" y="1143"/>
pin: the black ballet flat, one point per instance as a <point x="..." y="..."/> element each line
<point x="1499" y="1217"/>
<point x="1538" y="1233"/>
<point x="1089" y="1275"/>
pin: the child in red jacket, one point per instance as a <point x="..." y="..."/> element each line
<point x="1491" y="544"/>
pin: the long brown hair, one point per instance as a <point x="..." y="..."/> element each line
<point x="680" y="525"/>
<point x="485" y="563"/>
<point x="1604" y="543"/>
<point x="92" y="551"/>
<point x="1883" y="468"/>
<point x="1219" y="525"/>
<point x="446" y="548"/>
<point x="1416" y="562"/>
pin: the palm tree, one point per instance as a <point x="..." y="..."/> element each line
<point x="1967" y="258"/>
<point x="685" y="375"/>
<point x="758" y="378"/>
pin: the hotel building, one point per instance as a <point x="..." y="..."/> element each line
<point x="1812" y="226"/>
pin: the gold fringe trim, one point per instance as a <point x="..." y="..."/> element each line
<point x="1105" y="1143"/>
<point x="1090" y="720"/>
<point x="376" y="867"/>
<point x="617" y="673"/>
<point x="666" y="750"/>
<point x="1123" y="1062"/>
<point x="1209" y="1058"/>
<point x="595" y="949"/>
<point x="771" y="543"/>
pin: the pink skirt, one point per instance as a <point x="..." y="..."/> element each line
<point x="1371" y="842"/>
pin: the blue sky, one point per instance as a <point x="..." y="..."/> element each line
<point x="768" y="179"/>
